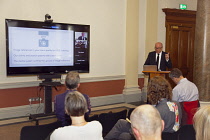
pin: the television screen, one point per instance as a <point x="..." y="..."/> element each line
<point x="46" y="48"/>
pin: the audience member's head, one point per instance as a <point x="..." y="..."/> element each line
<point x="202" y="123"/>
<point x="146" y="123"/>
<point x="75" y="104"/>
<point x="176" y="75"/>
<point x="158" y="88"/>
<point x="72" y="80"/>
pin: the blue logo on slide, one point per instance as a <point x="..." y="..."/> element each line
<point x="43" y="42"/>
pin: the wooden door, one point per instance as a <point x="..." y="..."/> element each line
<point x="180" y="34"/>
<point x="181" y="48"/>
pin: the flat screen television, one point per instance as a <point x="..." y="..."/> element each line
<point x="34" y="47"/>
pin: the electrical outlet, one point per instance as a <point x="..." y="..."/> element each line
<point x="34" y="99"/>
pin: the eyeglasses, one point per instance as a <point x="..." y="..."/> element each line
<point x="158" y="48"/>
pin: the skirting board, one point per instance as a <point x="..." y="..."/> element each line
<point x="202" y="103"/>
<point x="26" y="110"/>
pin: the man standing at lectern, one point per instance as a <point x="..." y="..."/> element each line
<point x="159" y="58"/>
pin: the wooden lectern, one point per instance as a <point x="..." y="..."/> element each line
<point x="155" y="73"/>
<point x="151" y="74"/>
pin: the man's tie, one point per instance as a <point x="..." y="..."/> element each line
<point x="157" y="61"/>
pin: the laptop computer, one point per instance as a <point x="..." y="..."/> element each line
<point x="149" y="67"/>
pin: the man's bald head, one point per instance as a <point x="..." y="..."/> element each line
<point x="158" y="47"/>
<point x="146" y="122"/>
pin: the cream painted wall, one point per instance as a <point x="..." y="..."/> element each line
<point x="107" y="37"/>
<point x="142" y="34"/>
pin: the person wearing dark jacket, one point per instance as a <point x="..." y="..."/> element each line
<point x="159" y="58"/>
<point x="72" y="82"/>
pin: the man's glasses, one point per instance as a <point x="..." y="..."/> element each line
<point x="158" y="48"/>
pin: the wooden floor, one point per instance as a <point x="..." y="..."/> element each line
<point x="10" y="129"/>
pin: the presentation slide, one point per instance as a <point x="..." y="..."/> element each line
<point x="40" y="47"/>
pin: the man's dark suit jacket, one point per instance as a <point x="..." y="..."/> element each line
<point x="80" y="38"/>
<point x="151" y="60"/>
<point x="60" y="108"/>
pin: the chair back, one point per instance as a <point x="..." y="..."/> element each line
<point x="92" y="118"/>
<point x="186" y="132"/>
<point x="108" y="120"/>
<point x="38" y="132"/>
<point x="129" y="112"/>
<point x="169" y="136"/>
<point x="188" y="111"/>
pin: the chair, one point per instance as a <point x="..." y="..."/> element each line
<point x="186" y="132"/>
<point x="92" y="118"/>
<point x="188" y="111"/>
<point x="38" y="132"/>
<point x="169" y="136"/>
<point x="129" y="112"/>
<point x="108" y="120"/>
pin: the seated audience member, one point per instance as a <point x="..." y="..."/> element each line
<point x="186" y="93"/>
<point x="72" y="82"/>
<point x="159" y="94"/>
<point x="185" y="90"/>
<point x="201" y="121"/>
<point x="146" y="123"/>
<point x="75" y="107"/>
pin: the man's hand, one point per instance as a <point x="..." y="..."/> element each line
<point x="167" y="56"/>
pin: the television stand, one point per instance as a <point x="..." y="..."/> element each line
<point x="48" y="84"/>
